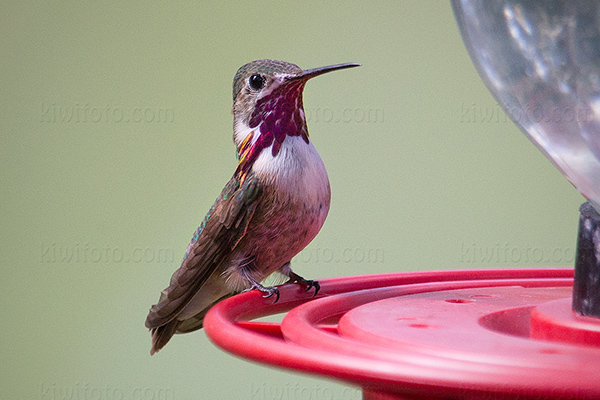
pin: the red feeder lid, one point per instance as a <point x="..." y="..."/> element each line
<point x="447" y="334"/>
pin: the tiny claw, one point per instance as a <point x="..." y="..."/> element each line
<point x="270" y="291"/>
<point x="295" y="278"/>
<point x="267" y="291"/>
<point x="313" y="284"/>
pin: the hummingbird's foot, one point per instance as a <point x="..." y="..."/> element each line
<point x="267" y="291"/>
<point x="295" y="278"/>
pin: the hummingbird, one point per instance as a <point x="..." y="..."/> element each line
<point x="273" y="206"/>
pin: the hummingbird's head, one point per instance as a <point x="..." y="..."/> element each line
<point x="256" y="83"/>
<point x="267" y="101"/>
<point x="267" y="107"/>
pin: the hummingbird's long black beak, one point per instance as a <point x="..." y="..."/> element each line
<point x="311" y="73"/>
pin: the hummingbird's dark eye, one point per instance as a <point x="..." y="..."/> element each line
<point x="256" y="81"/>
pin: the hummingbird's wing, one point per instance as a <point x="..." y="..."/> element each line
<point x="220" y="231"/>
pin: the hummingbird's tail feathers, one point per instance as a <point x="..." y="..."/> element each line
<point x="220" y="232"/>
<point x="162" y="334"/>
<point x="196" y="322"/>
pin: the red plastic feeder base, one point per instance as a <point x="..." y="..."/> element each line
<point x="486" y="334"/>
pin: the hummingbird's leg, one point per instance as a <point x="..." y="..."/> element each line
<point x="295" y="278"/>
<point x="267" y="291"/>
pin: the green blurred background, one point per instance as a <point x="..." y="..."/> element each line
<point x="116" y="138"/>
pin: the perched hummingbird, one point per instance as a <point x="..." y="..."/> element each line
<point x="273" y="206"/>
